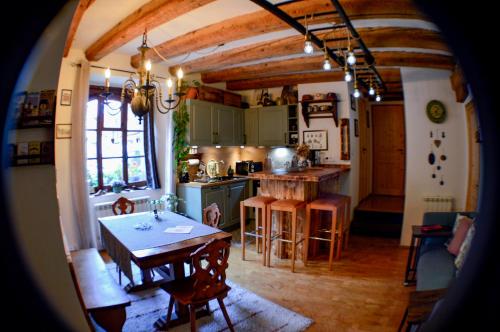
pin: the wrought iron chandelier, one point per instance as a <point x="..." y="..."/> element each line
<point x="144" y="90"/>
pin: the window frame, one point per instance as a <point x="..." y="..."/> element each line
<point x="94" y="94"/>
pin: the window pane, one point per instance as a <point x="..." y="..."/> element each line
<point x="136" y="169"/>
<point x="112" y="170"/>
<point x="91" y="144"/>
<point x="112" y="115"/>
<point x="133" y="121"/>
<point x="92" y="172"/>
<point x="111" y="144"/>
<point x="135" y="143"/>
<point x="91" y="121"/>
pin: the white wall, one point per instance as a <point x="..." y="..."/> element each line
<point x="68" y="80"/>
<point x="34" y="207"/>
<point x="420" y="86"/>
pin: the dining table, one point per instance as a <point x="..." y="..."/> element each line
<point x="143" y="239"/>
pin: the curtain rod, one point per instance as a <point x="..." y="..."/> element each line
<point x="114" y="69"/>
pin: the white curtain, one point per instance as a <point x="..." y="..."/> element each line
<point x="170" y="180"/>
<point x="79" y="186"/>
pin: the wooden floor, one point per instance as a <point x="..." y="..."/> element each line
<point x="382" y="203"/>
<point x="364" y="292"/>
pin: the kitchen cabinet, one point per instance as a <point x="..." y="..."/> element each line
<point x="271" y="126"/>
<point x="227" y="196"/>
<point x="214" y="124"/>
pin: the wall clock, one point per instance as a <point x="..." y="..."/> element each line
<point x="436" y="112"/>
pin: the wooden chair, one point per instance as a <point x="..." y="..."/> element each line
<point x="208" y="281"/>
<point x="211" y="215"/>
<point x="124" y="205"/>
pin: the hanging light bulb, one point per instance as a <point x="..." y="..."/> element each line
<point x="371" y="92"/>
<point x="327" y="65"/>
<point x="351" y="59"/>
<point x="308" y="46"/>
<point x="378" y="98"/>
<point x="356" y="92"/>
<point x="348" y="76"/>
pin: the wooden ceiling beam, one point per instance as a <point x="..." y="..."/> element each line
<point x="314" y="63"/>
<point x="149" y="16"/>
<point x="261" y="22"/>
<point x="388" y="75"/>
<point x="82" y="7"/>
<point x="381" y="37"/>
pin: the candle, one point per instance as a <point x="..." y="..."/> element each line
<point x="169" y="85"/>
<point x="107" y="75"/>
<point x="148" y="70"/>
<point x="180" y="75"/>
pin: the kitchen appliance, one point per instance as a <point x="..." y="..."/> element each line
<point x="248" y="166"/>
<point x="214" y="168"/>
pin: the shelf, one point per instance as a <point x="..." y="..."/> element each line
<point x="331" y="113"/>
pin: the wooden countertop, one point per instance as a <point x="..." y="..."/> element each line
<point x="312" y="174"/>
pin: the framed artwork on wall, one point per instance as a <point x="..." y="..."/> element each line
<point x="63" y="130"/>
<point x="353" y="103"/>
<point x="316" y="139"/>
<point x="356" y="128"/>
<point x="66" y="97"/>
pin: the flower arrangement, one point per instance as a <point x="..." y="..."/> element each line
<point x="302" y="151"/>
<point x="172" y="201"/>
<point x="117" y="186"/>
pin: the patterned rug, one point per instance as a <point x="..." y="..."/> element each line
<point x="248" y="312"/>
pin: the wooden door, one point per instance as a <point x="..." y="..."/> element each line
<point x="365" y="150"/>
<point x="252" y="127"/>
<point x="388" y="149"/>
<point x="200" y="122"/>
<point x="272" y="125"/>
<point x="474" y="157"/>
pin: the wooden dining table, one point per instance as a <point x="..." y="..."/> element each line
<point x="141" y="238"/>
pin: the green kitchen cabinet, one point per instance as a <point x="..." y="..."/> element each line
<point x="223" y="124"/>
<point x="239" y="126"/>
<point x="273" y="125"/>
<point x="252" y="127"/>
<point x="200" y="122"/>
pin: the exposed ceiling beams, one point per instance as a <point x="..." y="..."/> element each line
<point x="83" y="5"/>
<point x="149" y="16"/>
<point x="388" y="75"/>
<point x="374" y="38"/>
<point x="314" y="63"/>
<point x="261" y="22"/>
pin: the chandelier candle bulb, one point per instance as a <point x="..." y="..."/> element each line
<point x="169" y="86"/>
<point x="107" y="75"/>
<point x="180" y="75"/>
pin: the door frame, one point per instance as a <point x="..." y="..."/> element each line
<point x="402" y="103"/>
<point x="473" y="178"/>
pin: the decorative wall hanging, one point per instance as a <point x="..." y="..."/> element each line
<point x="66" y="97"/>
<point x="345" y="153"/>
<point x="316" y="139"/>
<point x="437" y="155"/>
<point x="436" y="112"/>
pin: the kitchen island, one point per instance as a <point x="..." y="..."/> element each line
<point x="305" y="185"/>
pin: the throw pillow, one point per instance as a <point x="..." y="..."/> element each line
<point x="459" y="236"/>
<point x="457" y="221"/>
<point x="464" y="248"/>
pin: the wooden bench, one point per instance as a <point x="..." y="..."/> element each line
<point x="104" y="300"/>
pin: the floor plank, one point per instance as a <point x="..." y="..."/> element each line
<point x="364" y="292"/>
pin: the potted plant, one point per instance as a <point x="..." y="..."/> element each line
<point x="171" y="202"/>
<point x="117" y="186"/>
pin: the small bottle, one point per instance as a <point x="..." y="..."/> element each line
<point x="230" y="172"/>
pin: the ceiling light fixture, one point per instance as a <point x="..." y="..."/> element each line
<point x="308" y="45"/>
<point x="347" y="76"/>
<point x="371" y="91"/>
<point x="356" y="92"/>
<point x="145" y="94"/>
<point x="326" y="63"/>
<point x="351" y="58"/>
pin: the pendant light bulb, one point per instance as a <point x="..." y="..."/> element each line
<point x="378" y="98"/>
<point x="308" y="46"/>
<point x="327" y="65"/>
<point x="348" y="76"/>
<point x="351" y="59"/>
<point x="356" y="93"/>
<point x="371" y="92"/>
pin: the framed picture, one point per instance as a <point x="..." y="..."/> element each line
<point x="353" y="102"/>
<point x="356" y="128"/>
<point x="66" y="97"/>
<point x="316" y="139"/>
<point x="63" y="130"/>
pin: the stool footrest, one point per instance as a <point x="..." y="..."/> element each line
<point x="319" y="238"/>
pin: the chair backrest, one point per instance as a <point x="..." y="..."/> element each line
<point x="209" y="266"/>
<point x="211" y="215"/>
<point x="124" y="205"/>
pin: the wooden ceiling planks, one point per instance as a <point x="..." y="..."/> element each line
<point x="149" y="16"/>
<point x="261" y="22"/>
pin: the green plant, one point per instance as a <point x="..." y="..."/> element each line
<point x="181" y="147"/>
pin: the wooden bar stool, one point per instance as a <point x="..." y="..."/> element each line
<point x="347" y="218"/>
<point x="284" y="205"/>
<point x="336" y="204"/>
<point x="260" y="204"/>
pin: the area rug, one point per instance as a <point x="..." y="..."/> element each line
<point x="248" y="312"/>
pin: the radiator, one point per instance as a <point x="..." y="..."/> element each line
<point x="438" y="203"/>
<point x="104" y="209"/>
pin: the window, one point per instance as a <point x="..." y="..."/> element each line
<point x="115" y="144"/>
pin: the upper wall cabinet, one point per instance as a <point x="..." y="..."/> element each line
<point x="269" y="126"/>
<point x="214" y="124"/>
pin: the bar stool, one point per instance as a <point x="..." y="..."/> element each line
<point x="347" y="219"/>
<point x="260" y="203"/>
<point x="337" y="205"/>
<point x="284" y="205"/>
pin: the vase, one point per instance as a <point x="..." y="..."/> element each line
<point x="117" y="190"/>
